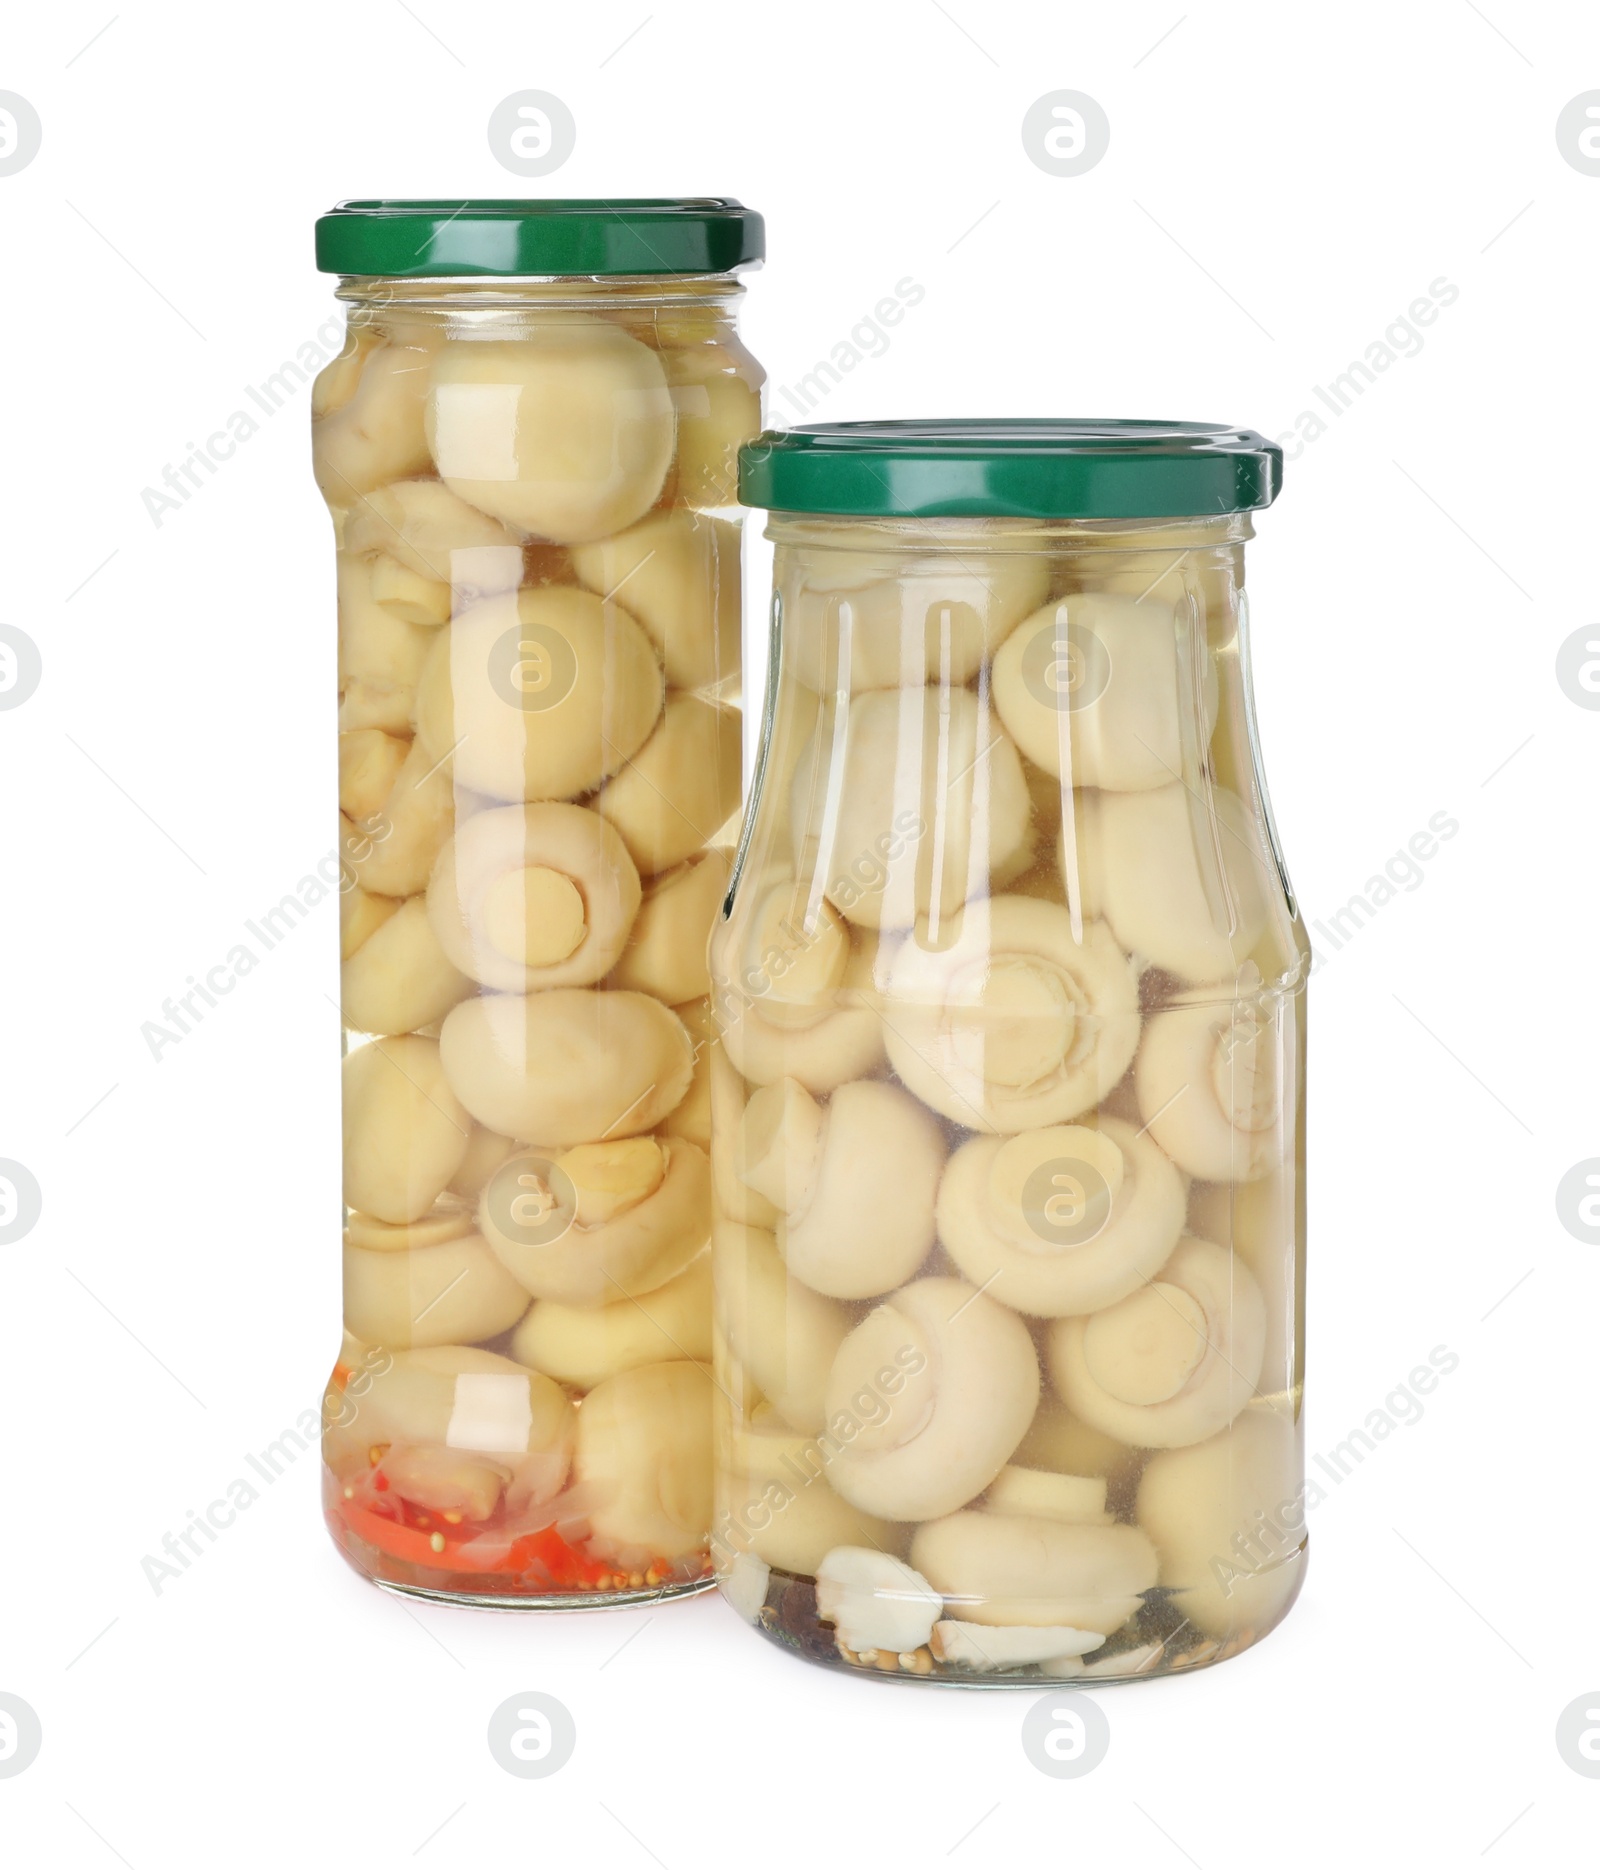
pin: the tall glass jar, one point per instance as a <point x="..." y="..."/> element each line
<point x="529" y="447"/>
<point x="1008" y="1093"/>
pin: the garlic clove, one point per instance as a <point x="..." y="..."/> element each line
<point x="875" y="1601"/>
<point x="984" y="1647"/>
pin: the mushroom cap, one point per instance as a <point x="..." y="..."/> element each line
<point x="1006" y="1570"/>
<point x="1211" y="1076"/>
<point x="455" y="1397"/>
<point x="1063" y="1219"/>
<point x="583" y="1345"/>
<point x="566" y="1065"/>
<point x="654" y="1217"/>
<point x="860" y="616"/>
<point x="785" y="1335"/>
<point x="369" y="428"/>
<point x="821" y="1038"/>
<point x="1228" y="1518"/>
<point x="716" y="389"/>
<point x="1182" y="875"/>
<point x="380" y="654"/>
<point x="423" y="526"/>
<point x="1121" y="688"/>
<point x="1014" y="1023"/>
<point x="690" y="1118"/>
<point x="848" y="1229"/>
<point x="530" y="896"/>
<point x="969" y="1387"/>
<point x="678" y="574"/>
<point x="917" y="811"/>
<point x="1259" y="1221"/>
<point x="643" y="1458"/>
<point x="666" y="951"/>
<point x="566" y="432"/>
<point x="1173" y="1362"/>
<point x="676" y="792"/>
<point x="455" y="1292"/>
<point x="734" y="1198"/>
<point x="392" y="852"/>
<point x="400" y="978"/>
<point x="404" y="1132"/>
<point x="775" y="1501"/>
<point x="537" y="694"/>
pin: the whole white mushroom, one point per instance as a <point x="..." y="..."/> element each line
<point x="400" y="978"/>
<point x="404" y="1132"/>
<point x="455" y="1292"/>
<point x="1212" y="1080"/>
<point x="1008" y="1570"/>
<point x="643" y="1460"/>
<point x="678" y="574"/>
<point x="584" y="1344"/>
<point x="784" y="1335"/>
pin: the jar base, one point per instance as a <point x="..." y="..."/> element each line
<point x="553" y="1600"/>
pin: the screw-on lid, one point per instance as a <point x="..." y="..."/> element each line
<point x="1046" y="469"/>
<point x="588" y="239"/>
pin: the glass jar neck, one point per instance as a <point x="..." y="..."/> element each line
<point x="719" y="292"/>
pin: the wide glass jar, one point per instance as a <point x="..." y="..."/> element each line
<point x="1008" y="1089"/>
<point x="529" y="447"/>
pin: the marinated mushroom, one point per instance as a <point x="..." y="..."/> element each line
<point x="400" y="978"/>
<point x="1060" y="1220"/>
<point x="716" y="390"/>
<point x="984" y="1647"/>
<point x="970" y="1385"/>
<point x="568" y="1065"/>
<point x="922" y="806"/>
<point x="455" y="1292"/>
<point x="566" y="432"/>
<point x="869" y="617"/>
<point x="677" y="573"/>
<point x="422" y="527"/>
<point x="821" y="1039"/>
<point x="583" y="1345"/>
<point x="1181" y="876"/>
<point x="1012" y="1571"/>
<point x="599" y="1222"/>
<point x="680" y="788"/>
<point x="846" y="1227"/>
<point x="875" y="1601"/>
<point x="366" y="417"/>
<point x="391" y="851"/>
<point x="1018" y="1021"/>
<point x="690" y="1118"/>
<point x="666" y="952"/>
<point x="1210" y="1077"/>
<point x="1228" y="1518"/>
<point x="1173" y="1362"/>
<point x="538" y="696"/>
<point x="643" y="1458"/>
<point x="404" y="1131"/>
<point x="784" y="1335"/>
<point x="380" y="654"/>
<point x="779" y="1504"/>
<point x="530" y="896"/>
<point x="1117" y="691"/>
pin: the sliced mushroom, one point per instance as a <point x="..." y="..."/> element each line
<point x="1060" y="1220"/>
<point x="400" y="978"/>
<point x="907" y="802"/>
<point x="858" y="616"/>
<point x="984" y="1647"/>
<point x="666" y="952"/>
<point x="1005" y="1570"/>
<point x="643" y="1457"/>
<point x="367" y="418"/>
<point x="423" y="527"/>
<point x="678" y="574"/>
<point x="785" y="1335"/>
<point x="847" y="1228"/>
<point x="404" y="1132"/>
<point x="716" y="390"/>
<point x="391" y="851"/>
<point x="1228" y="1518"/>
<point x="1174" y="1361"/>
<point x="1210" y="1077"/>
<point x="529" y="896"/>
<point x="583" y="1345"/>
<point x="566" y="1065"/>
<point x="969" y="1384"/>
<point x="1182" y="875"/>
<point x="565" y="432"/>
<point x="1118" y="691"/>
<point x="539" y="694"/>
<point x="875" y="1601"/>
<point x="681" y="787"/>
<point x="455" y="1292"/>
<point x="1017" y="1021"/>
<point x="776" y="1501"/>
<point x="601" y="1222"/>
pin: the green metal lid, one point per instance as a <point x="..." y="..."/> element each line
<point x="588" y="239"/>
<point x="1046" y="469"/>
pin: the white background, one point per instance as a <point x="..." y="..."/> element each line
<point x="1282" y="182"/>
